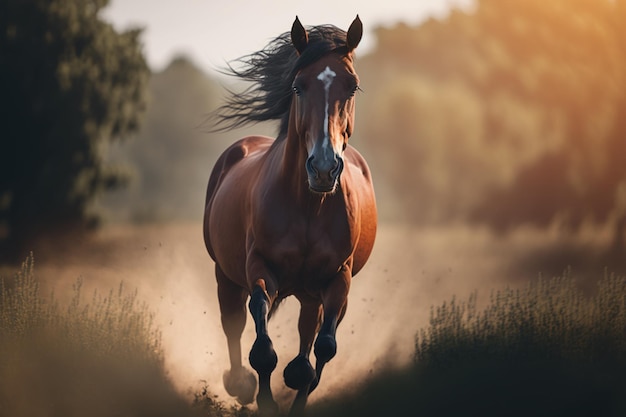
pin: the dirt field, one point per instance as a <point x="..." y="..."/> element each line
<point x="410" y="271"/>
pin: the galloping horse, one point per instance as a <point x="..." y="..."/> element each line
<point x="290" y="216"/>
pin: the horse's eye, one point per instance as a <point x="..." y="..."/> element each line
<point x="354" y="90"/>
<point x="296" y="90"/>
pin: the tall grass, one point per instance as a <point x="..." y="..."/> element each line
<point x="549" y="349"/>
<point x="550" y="319"/>
<point x="112" y="325"/>
<point x="100" y="358"/>
<point x="96" y="358"/>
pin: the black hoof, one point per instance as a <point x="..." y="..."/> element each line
<point x="299" y="373"/>
<point x="325" y="348"/>
<point x="263" y="356"/>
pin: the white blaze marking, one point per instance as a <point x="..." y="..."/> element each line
<point x="327" y="76"/>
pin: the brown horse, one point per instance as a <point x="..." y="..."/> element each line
<point x="290" y="216"/>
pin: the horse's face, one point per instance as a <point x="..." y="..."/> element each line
<point x="324" y="109"/>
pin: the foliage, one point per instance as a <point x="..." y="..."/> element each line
<point x="507" y="114"/>
<point x="170" y="157"/>
<point x="546" y="350"/>
<point x="70" y="83"/>
<point x="174" y="152"/>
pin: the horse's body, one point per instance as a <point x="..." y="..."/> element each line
<point x="292" y="216"/>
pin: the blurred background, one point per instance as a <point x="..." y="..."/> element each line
<point x="495" y="131"/>
<point x="486" y="113"/>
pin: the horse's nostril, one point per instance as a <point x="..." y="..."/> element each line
<point x="338" y="167"/>
<point x="310" y="168"/>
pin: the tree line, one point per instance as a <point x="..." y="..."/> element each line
<point x="70" y="85"/>
<point x="510" y="113"/>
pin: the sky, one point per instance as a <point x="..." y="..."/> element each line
<point x="213" y="32"/>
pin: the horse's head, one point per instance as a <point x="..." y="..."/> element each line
<point x="323" y="106"/>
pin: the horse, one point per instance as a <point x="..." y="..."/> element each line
<point x="295" y="215"/>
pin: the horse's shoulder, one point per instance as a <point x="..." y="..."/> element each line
<point x="356" y="159"/>
<point x="233" y="155"/>
<point x="244" y="147"/>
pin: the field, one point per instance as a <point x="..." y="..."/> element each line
<point x="411" y="270"/>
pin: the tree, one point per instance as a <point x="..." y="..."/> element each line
<point x="179" y="99"/>
<point x="535" y="129"/>
<point x="70" y="85"/>
<point x="571" y="64"/>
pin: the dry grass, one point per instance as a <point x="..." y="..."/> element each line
<point x="101" y="358"/>
<point x="548" y="349"/>
<point x="169" y="265"/>
<point x="551" y="319"/>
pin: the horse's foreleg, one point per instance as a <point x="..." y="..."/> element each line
<point x="262" y="355"/>
<point x="299" y="374"/>
<point x="335" y="302"/>
<point x="238" y="381"/>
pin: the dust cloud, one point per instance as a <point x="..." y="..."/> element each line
<point x="410" y="270"/>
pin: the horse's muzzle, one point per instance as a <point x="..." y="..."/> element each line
<point x="323" y="174"/>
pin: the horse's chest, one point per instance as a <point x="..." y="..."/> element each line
<point x="304" y="251"/>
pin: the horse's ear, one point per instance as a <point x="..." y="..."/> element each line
<point x="299" y="37"/>
<point x="355" y="32"/>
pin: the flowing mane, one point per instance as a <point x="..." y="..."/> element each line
<point x="271" y="72"/>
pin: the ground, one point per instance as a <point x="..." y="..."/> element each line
<point x="411" y="269"/>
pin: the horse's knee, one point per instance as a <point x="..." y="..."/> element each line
<point x="299" y="373"/>
<point x="262" y="355"/>
<point x="325" y="347"/>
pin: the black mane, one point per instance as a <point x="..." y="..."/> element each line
<point x="271" y="72"/>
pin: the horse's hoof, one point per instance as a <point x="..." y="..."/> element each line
<point x="241" y="385"/>
<point x="325" y="347"/>
<point x="299" y="373"/>
<point x="262" y="355"/>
